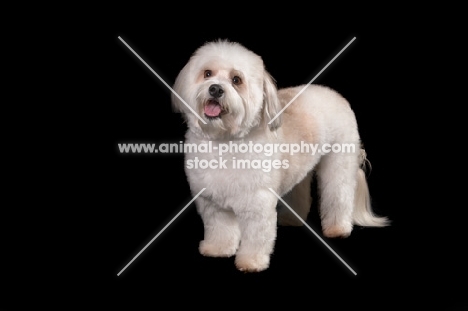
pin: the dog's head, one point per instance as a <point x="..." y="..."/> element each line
<point x="228" y="87"/>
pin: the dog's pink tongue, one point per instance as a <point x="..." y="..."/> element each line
<point x="212" y="109"/>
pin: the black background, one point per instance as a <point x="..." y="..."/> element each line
<point x="102" y="207"/>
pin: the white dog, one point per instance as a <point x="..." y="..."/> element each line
<point x="228" y="87"/>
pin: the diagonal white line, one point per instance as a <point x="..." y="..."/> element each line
<point x="162" y="230"/>
<point x="321" y="240"/>
<point x="297" y="95"/>
<point x="164" y="82"/>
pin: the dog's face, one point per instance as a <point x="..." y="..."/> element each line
<point x="229" y="88"/>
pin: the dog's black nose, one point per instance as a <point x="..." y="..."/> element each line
<point x="216" y="90"/>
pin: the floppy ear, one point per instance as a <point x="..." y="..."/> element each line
<point x="271" y="102"/>
<point x="181" y="80"/>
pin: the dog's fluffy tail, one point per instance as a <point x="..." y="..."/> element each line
<point x="362" y="214"/>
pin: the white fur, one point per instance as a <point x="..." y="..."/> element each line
<point x="237" y="207"/>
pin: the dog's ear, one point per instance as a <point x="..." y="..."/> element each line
<point x="177" y="104"/>
<point x="271" y="102"/>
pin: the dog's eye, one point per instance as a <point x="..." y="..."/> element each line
<point x="236" y="80"/>
<point x="207" y="73"/>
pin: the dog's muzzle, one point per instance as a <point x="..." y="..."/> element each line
<point x="212" y="108"/>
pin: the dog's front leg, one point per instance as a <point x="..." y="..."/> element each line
<point x="257" y="224"/>
<point x="222" y="233"/>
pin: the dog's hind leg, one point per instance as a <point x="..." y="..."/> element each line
<point x="300" y="200"/>
<point x="336" y="176"/>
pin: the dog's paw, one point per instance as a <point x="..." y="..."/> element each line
<point x="336" y="231"/>
<point x="252" y="263"/>
<point x="217" y="249"/>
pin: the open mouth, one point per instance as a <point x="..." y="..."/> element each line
<point x="213" y="109"/>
